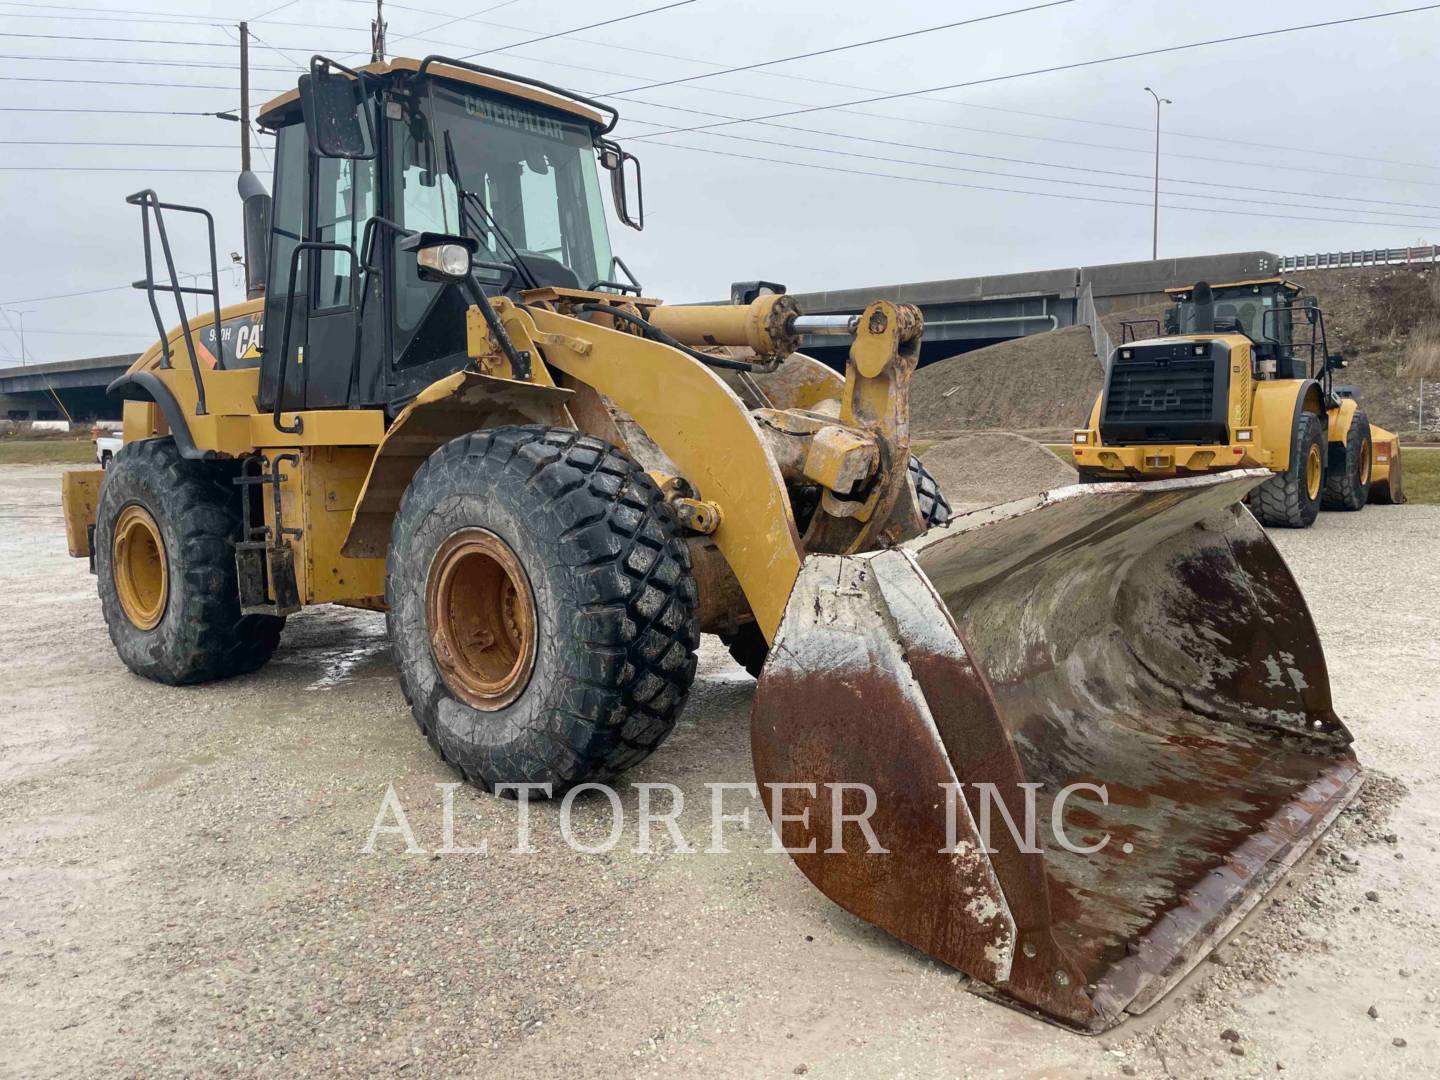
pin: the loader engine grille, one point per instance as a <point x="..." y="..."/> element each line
<point x="1173" y="392"/>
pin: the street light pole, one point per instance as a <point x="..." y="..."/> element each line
<point x="21" y="313"/>
<point x="244" y="97"/>
<point x="1155" y="228"/>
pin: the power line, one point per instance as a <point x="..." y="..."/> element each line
<point x="108" y="168"/>
<point x="420" y="34"/>
<point x="120" y="40"/>
<point x="1058" y="180"/>
<point x="172" y="19"/>
<point x="139" y="63"/>
<point x="851" y="45"/>
<point x="272" y="11"/>
<point x="1208" y="159"/>
<point x="991" y="79"/>
<point x="1051" y="164"/>
<point x="794" y="77"/>
<point x="278" y="52"/>
<point x="152" y="145"/>
<point x="126" y="82"/>
<point x="1016" y="191"/>
<point x="126" y="112"/>
<point x="66" y="296"/>
<point x="587" y="26"/>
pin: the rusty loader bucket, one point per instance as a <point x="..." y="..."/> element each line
<point x="1129" y="668"/>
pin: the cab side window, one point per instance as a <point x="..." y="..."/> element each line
<point x="346" y="200"/>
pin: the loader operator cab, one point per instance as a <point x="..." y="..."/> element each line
<point x="1285" y="328"/>
<point x="367" y="161"/>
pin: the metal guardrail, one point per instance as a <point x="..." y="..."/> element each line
<point x="1085" y="313"/>
<point x="1334" y="260"/>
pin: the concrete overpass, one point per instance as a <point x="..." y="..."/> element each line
<point x="968" y="313"/>
<point x="960" y="314"/>
<point x="29" y="392"/>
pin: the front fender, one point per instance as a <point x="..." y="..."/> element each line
<point x="1277" y="409"/>
<point x="446" y="409"/>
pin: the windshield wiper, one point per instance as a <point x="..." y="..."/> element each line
<point x="471" y="200"/>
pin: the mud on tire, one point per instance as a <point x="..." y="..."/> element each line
<point x="1286" y="500"/>
<point x="607" y="580"/>
<point x="1347" y="482"/>
<point x="200" y="634"/>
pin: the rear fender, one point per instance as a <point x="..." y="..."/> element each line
<point x="146" y="386"/>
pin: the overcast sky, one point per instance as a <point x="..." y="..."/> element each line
<point x="1349" y="110"/>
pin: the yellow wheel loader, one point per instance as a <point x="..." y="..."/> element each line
<point x="463" y="411"/>
<point x="1232" y="382"/>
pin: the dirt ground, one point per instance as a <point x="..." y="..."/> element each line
<point x="183" y="891"/>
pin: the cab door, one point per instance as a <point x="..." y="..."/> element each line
<point x="343" y="200"/>
<point x="325" y="200"/>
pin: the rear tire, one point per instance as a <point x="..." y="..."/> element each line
<point x="748" y="646"/>
<point x="1348" y="488"/>
<point x="585" y="672"/>
<point x="165" y="535"/>
<point x="1291" y="500"/>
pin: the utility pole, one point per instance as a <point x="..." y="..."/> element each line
<point x="377" y="34"/>
<point x="1155" y="229"/>
<point x="244" y="97"/>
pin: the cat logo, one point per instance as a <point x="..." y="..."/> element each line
<point x="1162" y="401"/>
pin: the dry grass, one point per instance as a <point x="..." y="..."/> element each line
<point x="1422" y="473"/>
<point x="49" y="451"/>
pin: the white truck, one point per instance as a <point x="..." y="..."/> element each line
<point x="107" y="445"/>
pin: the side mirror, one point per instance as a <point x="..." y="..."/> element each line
<point x="336" y="120"/>
<point x="624" y="170"/>
<point x="441" y="256"/>
<point x="1335" y="362"/>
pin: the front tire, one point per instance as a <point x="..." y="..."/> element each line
<point x="1291" y="499"/>
<point x="165" y="535"/>
<point x="1348" y="488"/>
<point x="541" y="608"/>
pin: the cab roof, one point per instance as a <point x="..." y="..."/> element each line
<point x="1287" y="285"/>
<point x="271" y="113"/>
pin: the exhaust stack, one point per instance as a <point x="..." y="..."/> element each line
<point x="255" y="202"/>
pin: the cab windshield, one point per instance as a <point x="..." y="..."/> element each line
<point x="1241" y="310"/>
<point x="534" y="172"/>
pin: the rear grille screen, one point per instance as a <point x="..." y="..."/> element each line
<point x="1166" y="393"/>
<point x="1151" y="393"/>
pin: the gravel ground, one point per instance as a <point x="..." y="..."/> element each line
<point x="183" y="891"/>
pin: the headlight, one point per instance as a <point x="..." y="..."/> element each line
<point x="1244" y="435"/>
<point x="447" y="260"/>
<point x="1082" y="437"/>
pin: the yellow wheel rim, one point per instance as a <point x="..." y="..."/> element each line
<point x="1314" y="472"/>
<point x="142" y="578"/>
<point x="482" y="619"/>
<point x="1365" y="463"/>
